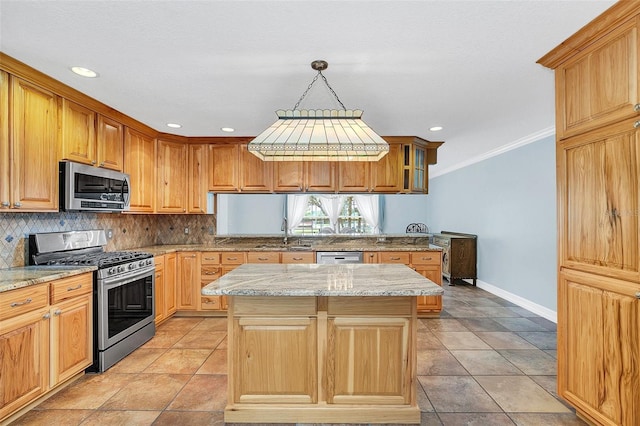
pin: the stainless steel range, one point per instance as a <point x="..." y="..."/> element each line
<point x="124" y="287"/>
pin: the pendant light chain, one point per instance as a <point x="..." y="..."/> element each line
<point x="311" y="85"/>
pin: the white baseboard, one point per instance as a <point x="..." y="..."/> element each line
<point x="518" y="300"/>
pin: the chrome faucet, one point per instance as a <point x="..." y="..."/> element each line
<point x="285" y="228"/>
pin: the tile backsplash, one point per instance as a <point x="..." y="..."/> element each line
<point x="129" y="230"/>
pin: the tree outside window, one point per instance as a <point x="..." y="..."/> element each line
<point x="337" y="214"/>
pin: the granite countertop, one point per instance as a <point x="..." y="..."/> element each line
<point x="14" y="278"/>
<point x="322" y="280"/>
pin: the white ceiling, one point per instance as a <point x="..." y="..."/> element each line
<point x="466" y="65"/>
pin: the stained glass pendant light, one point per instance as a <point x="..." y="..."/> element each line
<point x="319" y="135"/>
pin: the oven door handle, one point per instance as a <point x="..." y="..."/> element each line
<point x="127" y="277"/>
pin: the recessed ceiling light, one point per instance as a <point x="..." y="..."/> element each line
<point x="174" y="125"/>
<point x="84" y="72"/>
<point x="228" y="129"/>
<point x="435" y="128"/>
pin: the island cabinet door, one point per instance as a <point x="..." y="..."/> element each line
<point x="275" y="360"/>
<point x="368" y="361"/>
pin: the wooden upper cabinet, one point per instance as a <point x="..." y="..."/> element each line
<point x="386" y="173"/>
<point x="288" y="176"/>
<point x="140" y="164"/>
<point x="78" y="125"/>
<point x="353" y="176"/>
<point x="110" y="143"/>
<point x="599" y="85"/>
<point x="320" y="176"/>
<point x="223" y="167"/>
<point x="255" y="175"/>
<point x="197" y="179"/>
<point x="33" y="141"/>
<point x="601" y="232"/>
<point x="172" y="179"/>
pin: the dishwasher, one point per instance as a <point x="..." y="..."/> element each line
<point x="338" y="257"/>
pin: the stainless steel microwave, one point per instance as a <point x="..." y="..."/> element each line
<point x="87" y="188"/>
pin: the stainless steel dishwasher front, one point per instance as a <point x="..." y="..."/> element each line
<point x="338" y="257"/>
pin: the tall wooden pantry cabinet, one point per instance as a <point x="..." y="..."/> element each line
<point x="597" y="76"/>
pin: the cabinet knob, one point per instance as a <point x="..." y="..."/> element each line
<point x="57" y="312"/>
<point x="46" y="316"/>
<point x="93" y="163"/>
<point x="638" y="295"/>
<point x="6" y="204"/>
<point x="636" y="124"/>
<point x="17" y="204"/>
<point x="102" y="164"/>
<point x="636" y="107"/>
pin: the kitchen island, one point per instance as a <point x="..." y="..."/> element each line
<point x="312" y="343"/>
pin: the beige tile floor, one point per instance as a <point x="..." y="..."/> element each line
<point x="485" y="361"/>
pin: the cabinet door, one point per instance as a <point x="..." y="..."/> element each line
<point x="78" y="125"/>
<point x="110" y="143"/>
<point x="159" y="290"/>
<point x="188" y="281"/>
<point x="370" y="257"/>
<point x="320" y="176"/>
<point x="71" y="337"/>
<point x="198" y="178"/>
<point x="598" y="352"/>
<point x="34" y="139"/>
<point x="599" y="193"/>
<point x="386" y="173"/>
<point x="275" y="360"/>
<point x="419" y="175"/>
<point x="600" y="85"/>
<point x="223" y="167"/>
<point x="140" y="164"/>
<point x="356" y="350"/>
<point x="5" y="202"/>
<point x="430" y="303"/>
<point x="353" y="177"/>
<point x="288" y="176"/>
<point x="170" y="284"/>
<point x="172" y="180"/>
<point x="24" y="364"/>
<point x="255" y="175"/>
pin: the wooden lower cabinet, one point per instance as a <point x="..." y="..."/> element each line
<point x="427" y="263"/>
<point x="165" y="287"/>
<point x="322" y="359"/>
<point x="604" y="385"/>
<point x="24" y="364"/>
<point x="46" y="338"/>
<point x="188" y="294"/>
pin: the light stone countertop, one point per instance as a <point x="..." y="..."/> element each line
<point x="14" y="278"/>
<point x="322" y="280"/>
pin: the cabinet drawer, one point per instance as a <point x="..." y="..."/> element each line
<point x="16" y="302"/>
<point x="263" y="257"/>
<point x="210" y="303"/>
<point x="71" y="287"/>
<point x="210" y="273"/>
<point x="394" y="257"/>
<point x="232" y="258"/>
<point x="426" y="258"/>
<point x="307" y="257"/>
<point x="210" y="258"/>
<point x="159" y="262"/>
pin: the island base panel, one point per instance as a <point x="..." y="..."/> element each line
<point x="362" y="414"/>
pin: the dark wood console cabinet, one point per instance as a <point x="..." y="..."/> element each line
<point x="459" y="255"/>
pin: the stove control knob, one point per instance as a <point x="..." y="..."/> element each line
<point x="149" y="261"/>
<point x="141" y="263"/>
<point x="131" y="266"/>
<point x="120" y="268"/>
<point x="111" y="271"/>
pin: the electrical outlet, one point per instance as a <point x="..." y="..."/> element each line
<point x="211" y="230"/>
<point x="186" y="230"/>
<point x="109" y="234"/>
